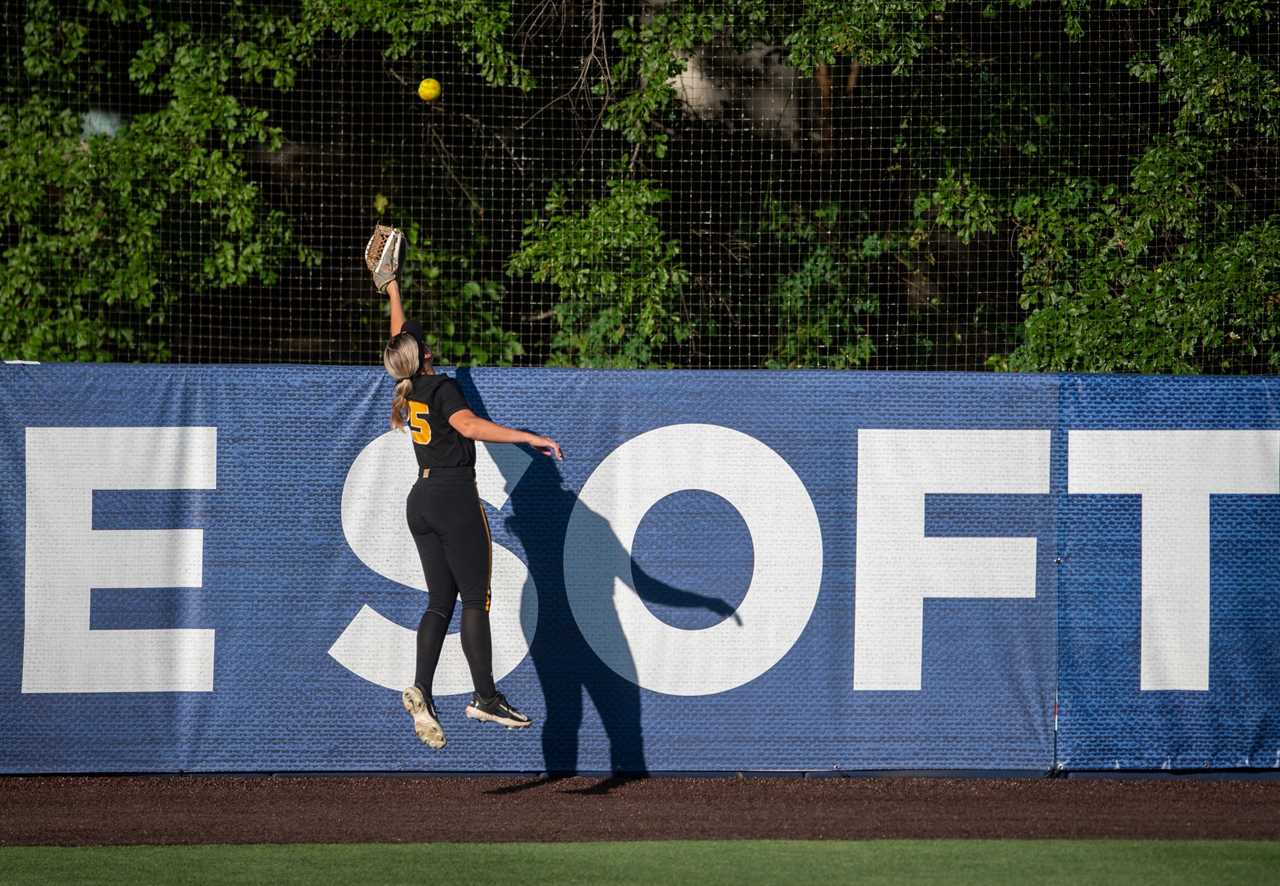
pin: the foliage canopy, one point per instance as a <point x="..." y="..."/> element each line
<point x="1031" y="236"/>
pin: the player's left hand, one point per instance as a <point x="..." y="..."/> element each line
<point x="383" y="254"/>
<point x="547" y="446"/>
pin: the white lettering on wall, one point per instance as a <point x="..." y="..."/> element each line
<point x="785" y="536"/>
<point x="1175" y="472"/>
<point x="898" y="567"/>
<point x="373" y="499"/>
<point x="66" y="558"/>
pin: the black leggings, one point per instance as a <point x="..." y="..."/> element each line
<point x="451" y="531"/>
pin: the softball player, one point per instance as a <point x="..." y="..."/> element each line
<point x="447" y="520"/>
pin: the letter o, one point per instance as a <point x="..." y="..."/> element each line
<point x="785" y="580"/>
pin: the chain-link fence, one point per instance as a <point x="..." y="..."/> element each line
<point x="904" y="184"/>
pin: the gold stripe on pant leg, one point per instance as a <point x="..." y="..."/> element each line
<point x="488" y="582"/>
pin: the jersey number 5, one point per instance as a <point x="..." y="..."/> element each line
<point x="418" y="422"/>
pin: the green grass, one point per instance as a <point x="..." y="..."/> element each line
<point x="737" y="863"/>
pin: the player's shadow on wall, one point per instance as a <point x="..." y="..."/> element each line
<point x="568" y="669"/>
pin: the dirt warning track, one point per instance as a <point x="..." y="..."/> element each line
<point x="85" y="810"/>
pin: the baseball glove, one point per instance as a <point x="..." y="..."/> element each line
<point x="383" y="254"/>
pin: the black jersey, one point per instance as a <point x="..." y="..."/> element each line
<point x="432" y="399"/>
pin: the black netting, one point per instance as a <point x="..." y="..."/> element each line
<point x="875" y="209"/>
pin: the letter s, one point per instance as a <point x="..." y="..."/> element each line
<point x="377" y="649"/>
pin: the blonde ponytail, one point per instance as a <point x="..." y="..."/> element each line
<point x="400" y="403"/>
<point x="402" y="361"/>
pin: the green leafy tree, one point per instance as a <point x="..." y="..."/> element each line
<point x="1024" y="185"/>
<point x="1175" y="271"/>
<point x="108" y="222"/>
<point x="461" y="312"/>
<point x="618" y="278"/>
<point x="821" y="300"/>
<point x="96" y="251"/>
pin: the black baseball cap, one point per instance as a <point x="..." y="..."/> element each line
<point x="414" y="328"/>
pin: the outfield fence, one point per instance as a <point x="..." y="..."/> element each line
<point x="207" y="569"/>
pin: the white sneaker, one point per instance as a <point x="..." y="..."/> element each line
<point x="426" y="725"/>
<point x="496" y="710"/>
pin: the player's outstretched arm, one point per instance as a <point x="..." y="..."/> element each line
<point x="473" y="427"/>
<point x="397" y="309"/>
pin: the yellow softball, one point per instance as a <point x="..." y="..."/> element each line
<point x="429" y="90"/>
